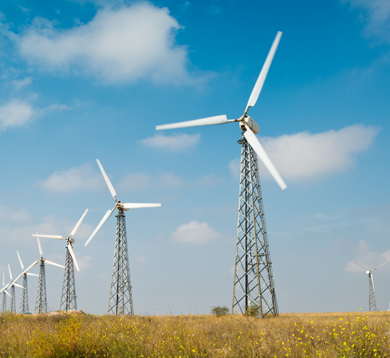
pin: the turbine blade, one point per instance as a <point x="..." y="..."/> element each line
<point x="209" y="121"/>
<point x="258" y="148"/>
<point x="10" y="274"/>
<point x="7" y="293"/>
<point x="372" y="281"/>
<point x="32" y="274"/>
<point x="58" y="237"/>
<point x="20" y="260"/>
<point x="73" y="256"/>
<point x="105" y="218"/>
<point x="139" y="205"/>
<point x="3" y="279"/>
<point x="15" y="284"/>
<point x="54" y="264"/>
<point x="360" y="265"/>
<point x="381" y="265"/>
<point x="39" y="246"/>
<point x="78" y="224"/>
<point x="110" y="187"/>
<point x="30" y="267"/>
<point x="263" y="73"/>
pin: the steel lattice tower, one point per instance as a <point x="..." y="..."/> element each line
<point x="4" y="308"/>
<point x="24" y="299"/>
<point x="13" y="304"/>
<point x="68" y="297"/>
<point x="253" y="277"/>
<point x="41" y="301"/>
<point x="371" y="294"/>
<point x="121" y="301"/>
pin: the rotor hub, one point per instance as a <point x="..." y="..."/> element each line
<point x="248" y="121"/>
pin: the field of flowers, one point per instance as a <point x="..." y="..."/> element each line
<point x="358" y="334"/>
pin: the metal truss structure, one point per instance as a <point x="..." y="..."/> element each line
<point x="68" y="296"/>
<point x="13" y="304"/>
<point x="4" y="306"/>
<point x="254" y="286"/>
<point x="371" y="294"/>
<point x="121" y="301"/>
<point x="24" y="299"/>
<point x="41" y="301"/>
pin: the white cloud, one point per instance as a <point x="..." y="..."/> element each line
<point x="22" y="83"/>
<point x="76" y="178"/>
<point x="15" y="113"/>
<point x="378" y="16"/>
<point x="304" y="156"/>
<point x="368" y="259"/>
<point x="173" y="143"/>
<point x="118" y="45"/>
<point x="195" y="233"/>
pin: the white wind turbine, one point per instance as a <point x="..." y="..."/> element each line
<point x="41" y="300"/>
<point x="371" y="290"/>
<point x="24" y="299"/>
<point x="120" y="301"/>
<point x="252" y="254"/>
<point x="68" y="296"/>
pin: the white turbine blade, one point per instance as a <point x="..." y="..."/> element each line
<point x="32" y="274"/>
<point x="40" y="247"/>
<point x="258" y="148"/>
<point x="53" y="263"/>
<point x="380" y="265"/>
<point x="139" y="205"/>
<point x="78" y="224"/>
<point x="372" y="281"/>
<point x="105" y="218"/>
<point x="263" y="74"/>
<point x="7" y="293"/>
<point x="30" y="267"/>
<point x="10" y="274"/>
<point x="73" y="256"/>
<point x="15" y="284"/>
<point x="110" y="187"/>
<point x="58" y="237"/>
<point x="359" y="265"/>
<point x="20" y="260"/>
<point x="209" y="121"/>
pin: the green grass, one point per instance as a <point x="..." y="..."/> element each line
<point x="289" y="335"/>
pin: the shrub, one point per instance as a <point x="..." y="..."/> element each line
<point x="220" y="311"/>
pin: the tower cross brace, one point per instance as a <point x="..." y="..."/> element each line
<point x="253" y="277"/>
<point x="120" y="301"/>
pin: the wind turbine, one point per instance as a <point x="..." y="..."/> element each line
<point x="120" y="301"/>
<point x="253" y="277"/>
<point x="371" y="290"/>
<point x="12" y="285"/>
<point x="24" y="299"/>
<point x="41" y="301"/>
<point x="68" y="296"/>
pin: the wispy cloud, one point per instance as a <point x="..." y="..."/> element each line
<point x="15" y="113"/>
<point x="195" y="233"/>
<point x="305" y="156"/>
<point x="174" y="143"/>
<point x="118" y="45"/>
<point x="82" y="177"/>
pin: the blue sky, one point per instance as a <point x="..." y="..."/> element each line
<point x="82" y="80"/>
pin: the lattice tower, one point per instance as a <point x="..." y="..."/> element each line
<point x="4" y="307"/>
<point x="41" y="301"/>
<point x="13" y="304"/>
<point x="371" y="294"/>
<point x="68" y="296"/>
<point x="253" y="278"/>
<point x="121" y="301"/>
<point x="24" y="299"/>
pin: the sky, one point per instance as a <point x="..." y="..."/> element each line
<point x="82" y="80"/>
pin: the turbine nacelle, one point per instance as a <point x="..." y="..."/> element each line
<point x="368" y="272"/>
<point x="248" y="121"/>
<point x="121" y="206"/>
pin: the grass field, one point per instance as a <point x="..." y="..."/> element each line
<point x="358" y="334"/>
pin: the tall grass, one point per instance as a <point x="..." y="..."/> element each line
<point x="289" y="335"/>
